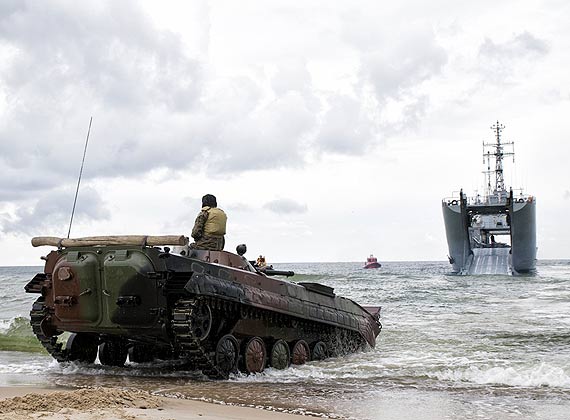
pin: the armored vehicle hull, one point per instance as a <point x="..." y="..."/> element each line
<point x="210" y="309"/>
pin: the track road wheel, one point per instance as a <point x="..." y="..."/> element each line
<point x="280" y="356"/>
<point x="320" y="351"/>
<point x="254" y="354"/>
<point x="113" y="353"/>
<point x="201" y="321"/>
<point x="82" y="347"/>
<point x="139" y="353"/>
<point x="227" y="353"/>
<point x="300" y="354"/>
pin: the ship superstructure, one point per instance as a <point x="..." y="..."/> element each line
<point x="492" y="233"/>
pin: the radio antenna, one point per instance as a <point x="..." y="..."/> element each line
<point x="79" y="179"/>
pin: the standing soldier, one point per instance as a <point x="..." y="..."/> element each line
<point x="210" y="226"/>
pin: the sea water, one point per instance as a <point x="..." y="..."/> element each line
<point x="451" y="347"/>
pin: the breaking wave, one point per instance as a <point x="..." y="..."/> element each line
<point x="537" y="376"/>
<point x="16" y="335"/>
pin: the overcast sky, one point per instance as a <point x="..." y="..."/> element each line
<point x="327" y="130"/>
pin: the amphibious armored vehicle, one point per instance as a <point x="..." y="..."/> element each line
<point x="132" y="296"/>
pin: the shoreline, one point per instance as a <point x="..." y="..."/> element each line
<point x="57" y="403"/>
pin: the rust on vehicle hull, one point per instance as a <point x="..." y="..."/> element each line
<point x="209" y="308"/>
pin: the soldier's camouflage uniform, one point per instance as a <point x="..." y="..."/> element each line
<point x="204" y="239"/>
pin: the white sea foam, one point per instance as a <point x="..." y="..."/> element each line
<point x="469" y="335"/>
<point x="31" y="367"/>
<point x="5" y="325"/>
<point x="535" y="376"/>
<point x="351" y="367"/>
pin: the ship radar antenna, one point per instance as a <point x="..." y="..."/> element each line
<point x="497" y="151"/>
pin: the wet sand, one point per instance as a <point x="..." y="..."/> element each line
<point x="19" y="403"/>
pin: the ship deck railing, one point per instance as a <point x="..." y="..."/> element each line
<point x="491" y="200"/>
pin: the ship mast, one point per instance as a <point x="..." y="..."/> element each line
<point x="496" y="151"/>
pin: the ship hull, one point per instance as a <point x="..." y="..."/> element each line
<point x="373" y="265"/>
<point x="523" y="234"/>
<point x="457" y="237"/>
<point x="467" y="257"/>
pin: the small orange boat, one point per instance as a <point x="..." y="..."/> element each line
<point x="372" y="262"/>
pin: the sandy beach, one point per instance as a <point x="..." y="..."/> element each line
<point x="23" y="403"/>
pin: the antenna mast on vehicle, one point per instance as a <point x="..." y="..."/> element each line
<point x="79" y="179"/>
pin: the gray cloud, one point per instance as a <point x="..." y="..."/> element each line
<point x="346" y="127"/>
<point x="108" y="49"/>
<point x="20" y="185"/>
<point x="387" y="97"/>
<point x="566" y="195"/>
<point x="397" y="70"/>
<point x="285" y="206"/>
<point x="291" y="75"/>
<point x="395" y="63"/>
<point x="499" y="61"/>
<point x="269" y="137"/>
<point x="156" y="107"/>
<point x="413" y="110"/>
<point x="239" y="207"/>
<point x="395" y="59"/>
<point x="521" y="45"/>
<point x="64" y="61"/>
<point x="151" y="108"/>
<point x="52" y="213"/>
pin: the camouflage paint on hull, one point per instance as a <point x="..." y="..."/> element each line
<point x="193" y="307"/>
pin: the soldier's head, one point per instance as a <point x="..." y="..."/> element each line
<point x="209" y="201"/>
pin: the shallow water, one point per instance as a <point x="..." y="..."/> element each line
<point x="489" y="347"/>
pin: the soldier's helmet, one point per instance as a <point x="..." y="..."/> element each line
<point x="241" y="249"/>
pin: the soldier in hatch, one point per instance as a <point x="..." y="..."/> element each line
<point x="210" y="226"/>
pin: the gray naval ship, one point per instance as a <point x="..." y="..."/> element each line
<point x="493" y="233"/>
